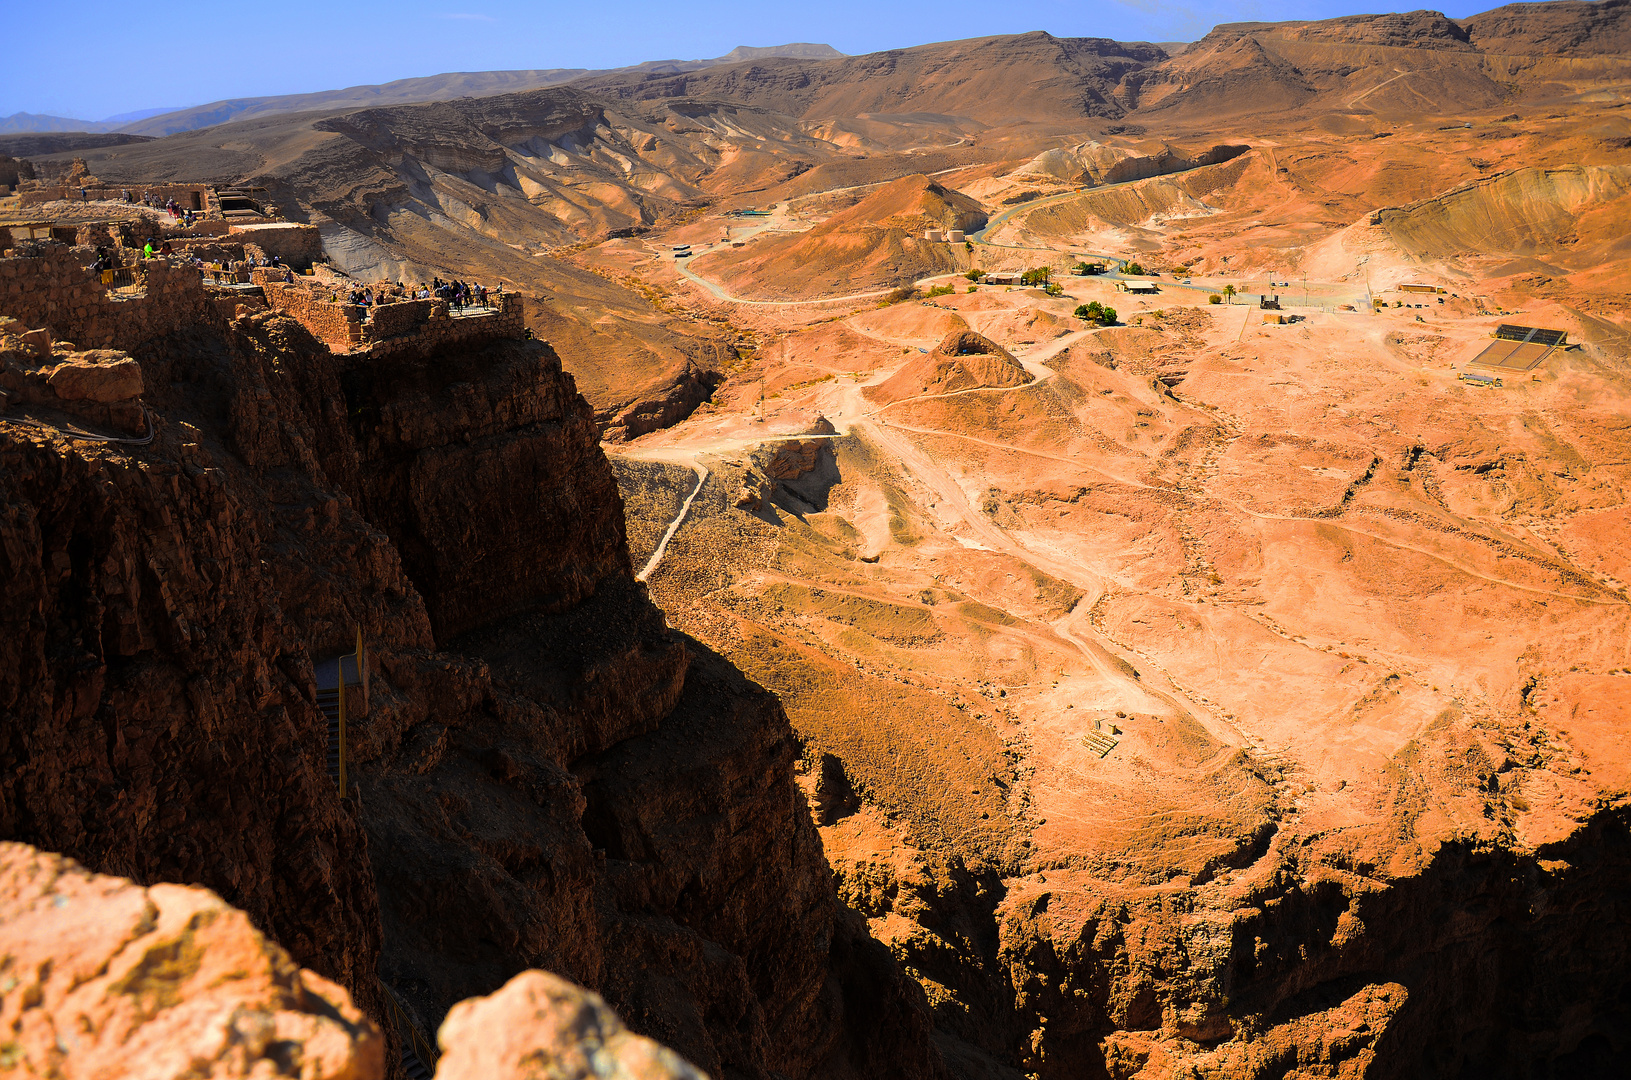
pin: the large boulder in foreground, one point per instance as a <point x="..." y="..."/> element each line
<point x="103" y="978"/>
<point x="541" y="1027"/>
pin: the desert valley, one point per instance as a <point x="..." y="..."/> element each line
<point x="1017" y="557"/>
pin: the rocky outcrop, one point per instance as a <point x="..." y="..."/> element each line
<point x="964" y="360"/>
<point x="545" y="775"/>
<point x="676" y="402"/>
<point x="102" y="386"/>
<point x="483" y="469"/>
<point x="1482" y="960"/>
<point x="105" y="978"/>
<point x="540" y="1025"/>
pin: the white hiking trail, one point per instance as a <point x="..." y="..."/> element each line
<point x="674" y="526"/>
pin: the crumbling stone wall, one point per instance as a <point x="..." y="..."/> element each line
<point x="181" y="193"/>
<point x="296" y="244"/>
<point x="441" y="330"/>
<point x="409" y="327"/>
<point x="211" y="249"/>
<point x="394" y="320"/>
<point x="57" y="291"/>
<point x="14" y="170"/>
<point x="339" y="326"/>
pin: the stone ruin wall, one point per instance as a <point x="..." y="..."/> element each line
<point x="339" y="326"/>
<point x="407" y="327"/>
<point x="394" y="320"/>
<point x="56" y="291"/>
<point x="441" y="330"/>
<point x="181" y="193"/>
<point x="292" y="242"/>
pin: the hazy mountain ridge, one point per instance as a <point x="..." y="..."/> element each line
<point x="443" y="87"/>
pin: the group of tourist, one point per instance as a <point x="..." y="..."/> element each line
<point x="151" y="201"/>
<point x="458" y="295"/>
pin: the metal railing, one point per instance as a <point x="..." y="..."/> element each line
<point x="415" y="1042"/>
<point x="125" y="280"/>
<point x="331" y="703"/>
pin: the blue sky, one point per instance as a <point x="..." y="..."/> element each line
<point x="119" y="58"/>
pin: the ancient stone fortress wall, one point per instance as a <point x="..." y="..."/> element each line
<point x="212" y="249"/>
<point x="181" y="193"/>
<point x="337" y="325"/>
<point x="440" y="329"/>
<point x="406" y="327"/>
<point x="294" y="243"/>
<point x="406" y="317"/>
<point x="56" y="290"/>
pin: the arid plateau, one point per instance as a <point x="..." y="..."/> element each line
<point x="1017" y="557"/>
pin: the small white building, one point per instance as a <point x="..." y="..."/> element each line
<point x="1140" y="285"/>
<point x="954" y="236"/>
<point x="934" y="236"/>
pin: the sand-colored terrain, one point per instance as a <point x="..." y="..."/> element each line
<point x="1198" y="692"/>
<point x="1203" y="613"/>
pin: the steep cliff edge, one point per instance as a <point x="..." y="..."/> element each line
<point x="542" y="772"/>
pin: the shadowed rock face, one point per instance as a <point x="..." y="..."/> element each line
<point x="543" y="773"/>
<point x="463" y="462"/>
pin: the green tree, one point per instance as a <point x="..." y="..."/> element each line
<point x="974" y="275"/>
<point x="1229" y="291"/>
<point x="1095" y="312"/>
<point x="1132" y="268"/>
<point x="1214" y="299"/>
<point x="1037" y="275"/>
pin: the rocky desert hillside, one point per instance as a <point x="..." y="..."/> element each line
<point x="1004" y="558"/>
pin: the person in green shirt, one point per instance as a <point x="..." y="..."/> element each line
<point x="147" y="252"/>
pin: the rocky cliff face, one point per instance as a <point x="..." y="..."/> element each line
<point x="544" y="774"/>
<point x="1312" y="961"/>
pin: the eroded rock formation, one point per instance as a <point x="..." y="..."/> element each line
<point x="542" y="774"/>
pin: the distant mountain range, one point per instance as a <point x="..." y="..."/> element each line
<point x="445" y="87"/>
